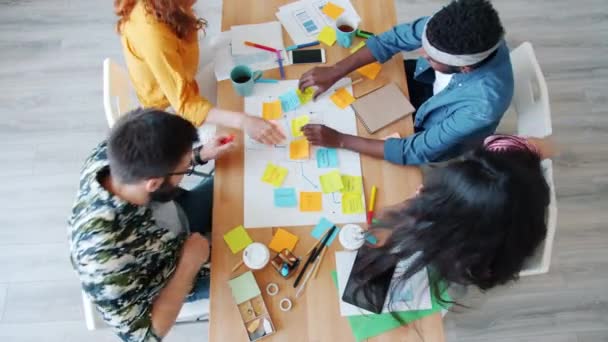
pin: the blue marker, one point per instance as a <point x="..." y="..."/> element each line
<point x="266" y="80"/>
<point x="301" y="46"/>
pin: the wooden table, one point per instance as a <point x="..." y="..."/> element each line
<point x="315" y="316"/>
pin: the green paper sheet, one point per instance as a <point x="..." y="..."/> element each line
<point x="367" y="326"/>
<point x="244" y="287"/>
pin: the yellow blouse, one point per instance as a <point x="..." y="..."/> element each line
<point x="162" y="67"/>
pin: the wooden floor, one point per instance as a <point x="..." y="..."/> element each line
<point x="51" y="115"/>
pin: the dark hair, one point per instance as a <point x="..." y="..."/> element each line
<point x="148" y="143"/>
<point x="465" y="27"/>
<point x="474" y="222"/>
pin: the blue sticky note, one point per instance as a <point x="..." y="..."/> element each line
<point x="289" y="101"/>
<point x="285" y="198"/>
<point x="327" y="158"/>
<point x="320" y="229"/>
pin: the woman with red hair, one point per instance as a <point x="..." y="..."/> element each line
<point x="160" y="45"/>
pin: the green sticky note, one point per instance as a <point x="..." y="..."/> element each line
<point x="244" y="287"/>
<point x="331" y="182"/>
<point x="352" y="203"/>
<point x="306" y="95"/>
<point x="368" y="326"/>
<point x="237" y="239"/>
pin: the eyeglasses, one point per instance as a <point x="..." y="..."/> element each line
<point x="189" y="172"/>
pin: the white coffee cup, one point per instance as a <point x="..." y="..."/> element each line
<point x="352" y="237"/>
<point x="256" y="256"/>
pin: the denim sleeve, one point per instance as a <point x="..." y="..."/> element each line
<point x="432" y="144"/>
<point x="404" y="37"/>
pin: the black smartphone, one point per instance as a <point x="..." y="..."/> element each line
<point x="372" y="295"/>
<point x="307" y="56"/>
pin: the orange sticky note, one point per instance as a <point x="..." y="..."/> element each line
<point x="371" y="70"/>
<point x="327" y="36"/>
<point x="272" y="110"/>
<point x="299" y="149"/>
<point x="342" y="98"/>
<point x="332" y="10"/>
<point x="311" y="201"/>
<point x="283" y="239"/>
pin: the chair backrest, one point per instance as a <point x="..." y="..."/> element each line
<point x="116" y="91"/>
<point x="531" y="96"/>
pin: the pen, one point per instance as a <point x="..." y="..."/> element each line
<point x="301" y="46"/>
<point x="314" y="255"/>
<point x="227" y="139"/>
<point x="266" y="80"/>
<point x="364" y="34"/>
<point x="280" y="60"/>
<point x="372" y="203"/>
<point x="259" y="46"/>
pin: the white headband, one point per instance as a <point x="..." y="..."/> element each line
<point x="455" y="60"/>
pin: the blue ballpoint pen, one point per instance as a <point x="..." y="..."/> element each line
<point x="301" y="46"/>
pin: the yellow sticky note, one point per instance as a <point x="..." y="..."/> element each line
<point x="331" y="182"/>
<point x="274" y="174"/>
<point x="311" y="201"/>
<point x="299" y="149"/>
<point x="327" y="36"/>
<point x="297" y="124"/>
<point x="352" y="203"/>
<point x="371" y="70"/>
<point x="342" y="98"/>
<point x="332" y="10"/>
<point x="272" y="110"/>
<point x="306" y="95"/>
<point x="283" y="239"/>
<point x="237" y="239"/>
<point x="352" y="184"/>
<point x="358" y="47"/>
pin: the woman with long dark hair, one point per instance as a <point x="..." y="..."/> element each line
<point x="472" y="222"/>
<point x="160" y="45"/>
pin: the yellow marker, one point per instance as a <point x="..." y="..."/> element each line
<point x="372" y="204"/>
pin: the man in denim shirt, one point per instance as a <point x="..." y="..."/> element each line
<point x="461" y="86"/>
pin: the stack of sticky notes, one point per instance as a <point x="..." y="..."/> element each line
<point x="272" y="110"/>
<point x="289" y="101"/>
<point x="371" y="70"/>
<point x="299" y="149"/>
<point x="352" y="203"/>
<point x="285" y="198"/>
<point x="331" y="182"/>
<point x="332" y="10"/>
<point x="283" y="239"/>
<point x="311" y="201"/>
<point x="306" y="95"/>
<point x="237" y="239"/>
<point x="327" y="158"/>
<point x="297" y="124"/>
<point x="327" y="36"/>
<point x="342" y="98"/>
<point x="274" y="175"/>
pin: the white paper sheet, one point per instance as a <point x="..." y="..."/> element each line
<point x="415" y="293"/>
<point x="268" y="34"/>
<point x="303" y="20"/>
<point x="224" y="61"/>
<point x="259" y="209"/>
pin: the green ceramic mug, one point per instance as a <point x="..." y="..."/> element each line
<point x="243" y="79"/>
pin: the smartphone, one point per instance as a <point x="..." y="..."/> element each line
<point x="307" y="56"/>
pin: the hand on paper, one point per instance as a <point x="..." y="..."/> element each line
<point x="264" y="131"/>
<point x="321" y="77"/>
<point x="321" y="135"/>
<point x="214" y="149"/>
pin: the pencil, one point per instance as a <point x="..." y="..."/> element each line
<point x="317" y="243"/>
<point x="318" y="265"/>
<point x="237" y="266"/>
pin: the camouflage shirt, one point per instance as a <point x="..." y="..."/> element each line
<point x="122" y="257"/>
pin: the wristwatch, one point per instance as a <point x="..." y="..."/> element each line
<point x="196" y="156"/>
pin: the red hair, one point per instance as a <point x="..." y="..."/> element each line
<point x="183" y="22"/>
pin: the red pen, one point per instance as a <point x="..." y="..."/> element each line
<point x="227" y="140"/>
<point x="263" y="47"/>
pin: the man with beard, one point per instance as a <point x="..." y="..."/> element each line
<point x="137" y="264"/>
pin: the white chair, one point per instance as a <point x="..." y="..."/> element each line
<point x="117" y="91"/>
<point x="531" y="106"/>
